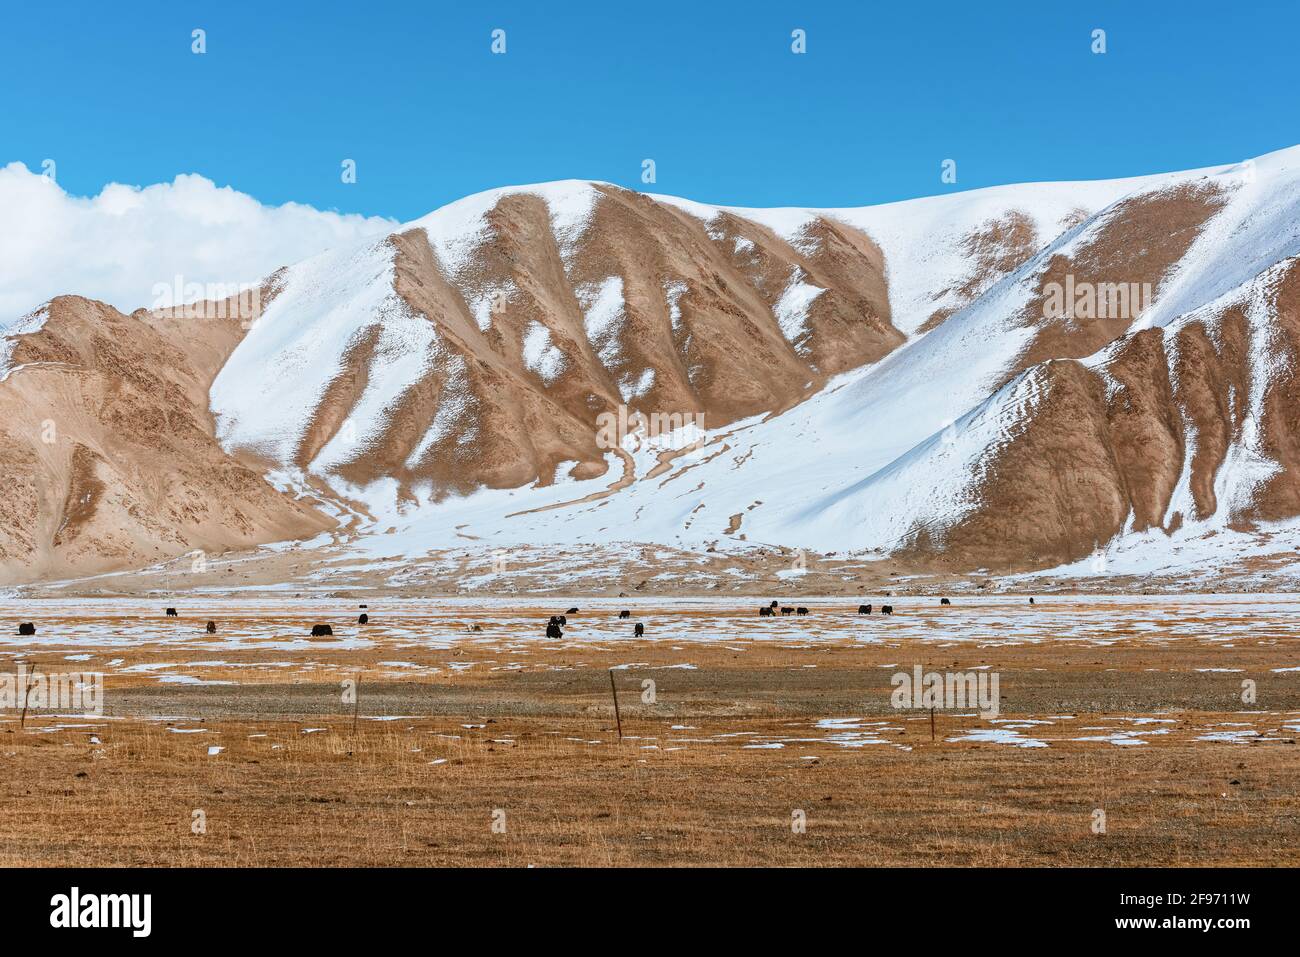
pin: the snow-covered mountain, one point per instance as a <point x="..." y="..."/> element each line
<point x="1006" y="378"/>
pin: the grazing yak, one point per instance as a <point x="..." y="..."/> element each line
<point x="864" y="609"/>
<point x="944" y="601"/>
<point x="26" y="628"/>
<point x="764" y="611"/>
<point x="364" y="619"/>
<point x="625" y="614"/>
<point x="553" y="628"/>
<point x="801" y="610"/>
<point x="563" y="619"/>
<point x="171" y="612"/>
<point x="572" y="611"/>
<point x="787" y="610"/>
<point x="886" y="609"/>
<point x="212" y="628"/>
<point x="639" y="630"/>
<point x="320" y="631"/>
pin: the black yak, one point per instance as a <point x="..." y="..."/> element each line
<point x="864" y="609"/>
<point x="364" y="619"/>
<point x="320" y="631"/>
<point x="212" y="628"/>
<point x="26" y="628"/>
<point x="944" y="601"/>
<point x="553" y="629"/>
<point x="886" y="609"/>
<point x="801" y="610"/>
<point x="639" y="630"/>
<point x="572" y="611"/>
<point x="764" y="611"/>
<point x="625" y="614"/>
<point x="171" y="612"/>
<point x="787" y="610"/>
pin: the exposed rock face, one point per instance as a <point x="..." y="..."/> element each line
<point x="1190" y="422"/>
<point x="110" y="459"/>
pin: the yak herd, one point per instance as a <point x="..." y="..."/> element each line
<point x="554" y="627"/>
<point x="768" y="611"/>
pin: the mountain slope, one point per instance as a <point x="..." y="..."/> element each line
<point x="477" y="345"/>
<point x="110" y="458"/>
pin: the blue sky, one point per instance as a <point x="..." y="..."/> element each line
<point x="710" y="90"/>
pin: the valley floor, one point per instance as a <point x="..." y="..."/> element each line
<point x="1122" y="736"/>
<point x="381" y="566"/>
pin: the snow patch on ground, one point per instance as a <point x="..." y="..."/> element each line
<point x="791" y="310"/>
<point x="540" y="354"/>
<point x="25" y="325"/>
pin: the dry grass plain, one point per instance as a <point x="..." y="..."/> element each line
<point x="1131" y="706"/>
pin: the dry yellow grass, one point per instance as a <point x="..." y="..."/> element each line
<point x="528" y="729"/>
<point x="332" y="798"/>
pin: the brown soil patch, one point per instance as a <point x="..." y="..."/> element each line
<point x="996" y="249"/>
<point x="1138" y="241"/>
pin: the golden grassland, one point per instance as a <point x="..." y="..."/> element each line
<point x="485" y="730"/>
<point x="374" y="798"/>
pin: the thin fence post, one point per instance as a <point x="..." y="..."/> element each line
<point x="614" y="691"/>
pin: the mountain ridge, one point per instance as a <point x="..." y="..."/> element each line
<point x="881" y="380"/>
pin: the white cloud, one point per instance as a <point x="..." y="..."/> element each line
<point x="119" y="245"/>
